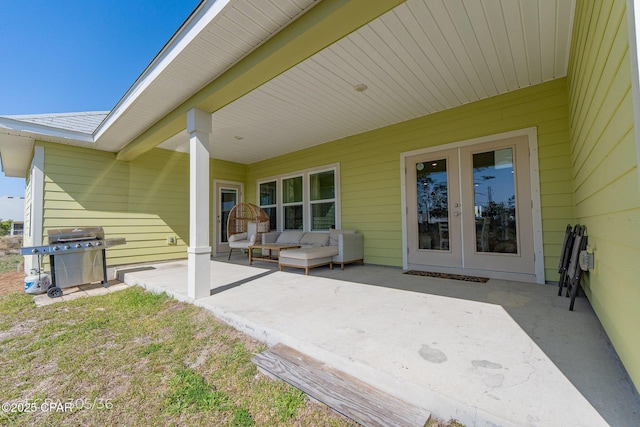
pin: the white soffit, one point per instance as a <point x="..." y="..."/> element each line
<point x="422" y="57"/>
<point x="15" y="155"/>
<point x="216" y="37"/>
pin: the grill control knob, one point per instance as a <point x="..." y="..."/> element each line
<point x="55" y="248"/>
<point x="78" y="245"/>
<point x="35" y="251"/>
<point x="89" y="245"/>
<point x="67" y="247"/>
<point x="98" y="243"/>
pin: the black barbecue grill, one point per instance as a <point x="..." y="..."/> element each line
<point x="77" y="256"/>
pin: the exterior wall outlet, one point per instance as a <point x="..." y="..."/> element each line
<point x="171" y="240"/>
<point x="586" y="260"/>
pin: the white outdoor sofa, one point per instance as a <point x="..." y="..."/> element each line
<point x="317" y="248"/>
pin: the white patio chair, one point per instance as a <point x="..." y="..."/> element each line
<point x="243" y="240"/>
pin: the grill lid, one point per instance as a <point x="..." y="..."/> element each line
<point x="62" y="235"/>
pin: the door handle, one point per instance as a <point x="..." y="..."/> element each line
<point x="456" y="205"/>
<point x="456" y="214"/>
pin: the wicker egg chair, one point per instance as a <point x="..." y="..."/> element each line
<point x="250" y="221"/>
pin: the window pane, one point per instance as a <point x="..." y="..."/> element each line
<point x="322" y="185"/>
<point x="432" y="189"/>
<point x="293" y="217"/>
<point x="495" y="201"/>
<point x="323" y="216"/>
<point x="292" y="190"/>
<point x="268" y="193"/>
<point x="273" y="219"/>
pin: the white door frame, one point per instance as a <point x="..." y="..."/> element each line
<point x="214" y="229"/>
<point x="532" y="135"/>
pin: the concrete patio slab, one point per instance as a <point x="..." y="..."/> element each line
<point x="80" y="291"/>
<point x="458" y="358"/>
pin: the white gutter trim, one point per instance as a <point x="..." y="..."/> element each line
<point x="16" y="127"/>
<point x="207" y="11"/>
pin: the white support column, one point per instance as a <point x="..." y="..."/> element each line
<point x="34" y="238"/>
<point x="199" y="250"/>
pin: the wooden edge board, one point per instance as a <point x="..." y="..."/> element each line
<point x="342" y="392"/>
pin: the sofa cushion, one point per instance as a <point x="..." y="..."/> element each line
<point x="289" y="237"/>
<point x="315" y="239"/>
<point x="309" y="253"/>
<point x="333" y="235"/>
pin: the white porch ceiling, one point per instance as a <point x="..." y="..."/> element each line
<point x="422" y="57"/>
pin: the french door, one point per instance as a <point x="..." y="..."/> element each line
<point x="227" y="194"/>
<point x="469" y="210"/>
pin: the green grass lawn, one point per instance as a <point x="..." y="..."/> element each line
<point x="133" y="358"/>
<point x="9" y="262"/>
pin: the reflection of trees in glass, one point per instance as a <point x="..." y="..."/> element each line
<point x="433" y="203"/>
<point x="432" y="196"/>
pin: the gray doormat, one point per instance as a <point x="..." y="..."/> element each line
<point x="448" y="276"/>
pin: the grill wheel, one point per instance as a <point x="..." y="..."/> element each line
<point x="54" y="292"/>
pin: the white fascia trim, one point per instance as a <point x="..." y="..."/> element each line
<point x="195" y="24"/>
<point x="18" y="127"/>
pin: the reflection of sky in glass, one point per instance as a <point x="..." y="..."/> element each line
<point x="493" y="177"/>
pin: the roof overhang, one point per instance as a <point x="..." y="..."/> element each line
<point x="319" y="27"/>
<point x="280" y="76"/>
<point x="15" y="155"/>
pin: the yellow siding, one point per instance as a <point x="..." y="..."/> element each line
<point x="145" y="200"/>
<point x="370" y="165"/>
<point x="605" y="171"/>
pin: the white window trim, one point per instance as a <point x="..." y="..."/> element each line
<point x="306" y="185"/>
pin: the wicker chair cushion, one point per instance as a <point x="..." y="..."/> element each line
<point x="236" y="237"/>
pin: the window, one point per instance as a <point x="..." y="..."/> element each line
<point x="322" y="200"/>
<point x="307" y="200"/>
<point x="292" y="203"/>
<point x="269" y="202"/>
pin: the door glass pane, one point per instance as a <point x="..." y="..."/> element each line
<point x="495" y="201"/>
<point x="293" y="217"/>
<point x="228" y="199"/>
<point x="292" y="190"/>
<point x="433" y="205"/>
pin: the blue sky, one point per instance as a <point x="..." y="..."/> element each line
<point x="61" y="56"/>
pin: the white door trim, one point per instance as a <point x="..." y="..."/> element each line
<point x="536" y="209"/>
